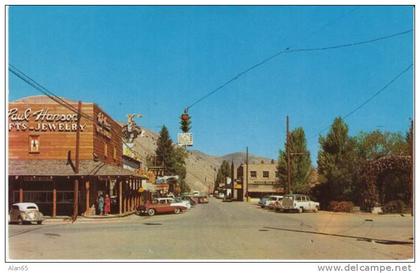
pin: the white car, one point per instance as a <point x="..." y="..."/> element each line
<point x="179" y="202"/>
<point x="271" y="200"/>
<point x="173" y="202"/>
<point x="299" y="203"/>
<point x="23" y="213"/>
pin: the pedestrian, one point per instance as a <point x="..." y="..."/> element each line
<point x="107" y="208"/>
<point x="101" y="204"/>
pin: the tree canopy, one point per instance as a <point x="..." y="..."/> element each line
<point x="337" y="162"/>
<point x="172" y="158"/>
<point x="300" y="162"/>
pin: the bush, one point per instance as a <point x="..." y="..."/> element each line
<point x="342" y="206"/>
<point x="394" y="206"/>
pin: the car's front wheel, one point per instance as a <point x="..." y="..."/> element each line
<point x="177" y="211"/>
<point x="151" y="212"/>
<point x="300" y="210"/>
<point x="39" y="222"/>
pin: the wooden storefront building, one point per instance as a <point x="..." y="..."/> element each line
<point x="42" y="151"/>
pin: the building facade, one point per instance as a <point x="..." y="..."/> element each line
<point x="262" y="179"/>
<point x="42" y="165"/>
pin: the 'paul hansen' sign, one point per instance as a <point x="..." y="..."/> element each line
<point x="43" y="121"/>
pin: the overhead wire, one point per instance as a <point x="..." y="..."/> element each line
<point x="298" y="50"/>
<point x="377" y="93"/>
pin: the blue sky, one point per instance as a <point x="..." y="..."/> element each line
<point x="158" y="60"/>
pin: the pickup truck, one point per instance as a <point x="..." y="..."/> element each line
<point x="299" y="203"/>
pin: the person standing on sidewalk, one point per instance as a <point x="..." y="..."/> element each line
<point x="101" y="204"/>
<point x="107" y="208"/>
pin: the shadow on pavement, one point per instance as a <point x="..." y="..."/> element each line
<point x="359" y="238"/>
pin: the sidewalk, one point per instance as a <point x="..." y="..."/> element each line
<point x="90" y="218"/>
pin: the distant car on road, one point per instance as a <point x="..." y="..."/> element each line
<point x="227" y="199"/>
<point x="299" y="203"/>
<point x="24" y="213"/>
<point x="161" y="206"/>
<point x="271" y="200"/>
<point x="262" y="201"/>
<point x="203" y="199"/>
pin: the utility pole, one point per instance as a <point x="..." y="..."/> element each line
<point x="233" y="180"/>
<point x="411" y="141"/>
<point x="76" y="181"/>
<point x="247" y="163"/>
<point x="288" y="155"/>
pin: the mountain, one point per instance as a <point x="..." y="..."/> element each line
<point x="201" y="168"/>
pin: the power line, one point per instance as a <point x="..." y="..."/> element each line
<point x="377" y="93"/>
<point x="330" y="23"/>
<point x="288" y="51"/>
<point x="21" y="75"/>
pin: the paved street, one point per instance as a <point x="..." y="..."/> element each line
<point x="218" y="231"/>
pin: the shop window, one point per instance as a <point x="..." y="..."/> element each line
<point x="38" y="196"/>
<point x="253" y="174"/>
<point x="33" y="144"/>
<point x="266" y="174"/>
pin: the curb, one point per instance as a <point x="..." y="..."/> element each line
<point x="82" y="218"/>
<point x="108" y="216"/>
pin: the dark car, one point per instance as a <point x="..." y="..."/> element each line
<point x="203" y="199"/>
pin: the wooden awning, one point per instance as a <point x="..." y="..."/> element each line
<point x="62" y="168"/>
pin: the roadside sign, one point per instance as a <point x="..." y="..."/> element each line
<point x="185" y="139"/>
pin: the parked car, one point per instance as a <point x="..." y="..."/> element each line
<point x="23" y="213"/>
<point x="299" y="203"/>
<point x="262" y="201"/>
<point x="227" y="199"/>
<point x="203" y="199"/>
<point x="179" y="200"/>
<point x="189" y="200"/>
<point x="161" y="206"/>
<point x="271" y="200"/>
<point x="174" y="202"/>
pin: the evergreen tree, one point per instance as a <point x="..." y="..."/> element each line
<point x="222" y="173"/>
<point x="178" y="167"/>
<point x="300" y="162"/>
<point x="337" y="163"/>
<point x="172" y="158"/>
<point x="165" y="150"/>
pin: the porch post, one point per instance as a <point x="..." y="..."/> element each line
<point x="125" y="196"/>
<point x="130" y="199"/>
<point x="54" y="208"/>
<point x="120" y="197"/>
<point x="87" y="187"/>
<point x="20" y="192"/>
<point x="76" y="199"/>
<point x="137" y="193"/>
